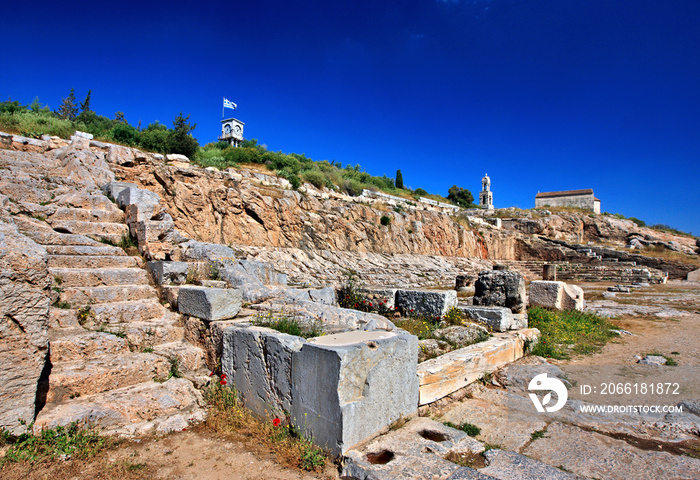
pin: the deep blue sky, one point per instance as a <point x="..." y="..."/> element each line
<point x="541" y="94"/>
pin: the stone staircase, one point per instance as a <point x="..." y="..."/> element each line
<point x="530" y="269"/>
<point x="116" y="354"/>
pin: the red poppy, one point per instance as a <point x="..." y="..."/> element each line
<point x="211" y="374"/>
<point x="223" y="382"/>
<point x="370" y="304"/>
<point x="276" y="422"/>
<point x="223" y="376"/>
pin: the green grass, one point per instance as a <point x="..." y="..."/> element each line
<point x="289" y="325"/>
<point x="75" y="440"/>
<point x="569" y="331"/>
<point x="468" y="428"/>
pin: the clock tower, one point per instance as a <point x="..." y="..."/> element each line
<point x="232" y="131"/>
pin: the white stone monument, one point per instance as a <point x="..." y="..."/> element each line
<point x="486" y="195"/>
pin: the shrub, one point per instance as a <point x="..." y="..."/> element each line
<point x="315" y="178"/>
<point x="385" y="220"/>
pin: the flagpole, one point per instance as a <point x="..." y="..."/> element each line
<point x="222" y="111"/>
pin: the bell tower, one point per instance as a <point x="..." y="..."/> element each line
<point x="486" y="195"/>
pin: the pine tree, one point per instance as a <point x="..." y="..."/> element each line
<point x="85" y="106"/>
<point x="399" y="179"/>
<point x="68" y="109"/>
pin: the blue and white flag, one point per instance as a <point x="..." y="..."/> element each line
<point x="229" y="104"/>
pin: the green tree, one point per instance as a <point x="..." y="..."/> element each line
<point x="85" y="106"/>
<point x="68" y="109"/>
<point x="460" y="196"/>
<point x="399" y="179"/>
<point x="180" y="140"/>
<point x="119" y="117"/>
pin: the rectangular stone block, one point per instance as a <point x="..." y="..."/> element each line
<point x="258" y="364"/>
<point x="153" y="231"/>
<point x="434" y="303"/>
<point x="693" y="276"/>
<point x="209" y="303"/>
<point x="500" y="319"/>
<point x="557" y="295"/>
<point x="113" y="189"/>
<point x="131" y="196"/>
<point x="169" y="273"/>
<point x="385" y="296"/>
<point x="448" y="373"/>
<point x="348" y="386"/>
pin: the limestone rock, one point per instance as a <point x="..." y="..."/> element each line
<point x="500" y="319"/>
<point x="652" y="360"/>
<point x="168" y="273"/>
<point x="431" y="348"/>
<point x="416" y="450"/>
<point x="347" y="387"/>
<point x="24" y="322"/>
<point x="504" y="464"/>
<point x="448" y="373"/>
<point x="694" y="276"/>
<point x="461" y="335"/>
<point x="557" y="295"/>
<point x="209" y="303"/>
<point x="433" y="303"/>
<point x="501" y="288"/>
<point x="258" y="363"/>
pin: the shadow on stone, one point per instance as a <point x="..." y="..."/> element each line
<point x="380" y="458"/>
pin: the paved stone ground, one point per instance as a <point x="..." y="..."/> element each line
<point x="520" y="443"/>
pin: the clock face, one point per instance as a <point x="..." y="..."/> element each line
<point x="227" y="128"/>
<point x="237" y="130"/>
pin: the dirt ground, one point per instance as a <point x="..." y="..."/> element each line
<point x="192" y="454"/>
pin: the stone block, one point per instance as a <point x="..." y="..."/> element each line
<point x="435" y="303"/>
<point x="152" y="231"/>
<point x="694" y="276"/>
<point x="346" y="387"/>
<point x="499" y="319"/>
<point x="501" y="288"/>
<point x="448" y="373"/>
<point x="209" y="303"/>
<point x="137" y="196"/>
<point x="384" y="296"/>
<point x="258" y="364"/>
<point x="169" y="273"/>
<point x="113" y="189"/>
<point x="557" y="295"/>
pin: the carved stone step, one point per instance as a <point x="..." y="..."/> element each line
<point x="100" y="249"/>
<point x="87" y="215"/>
<point x="126" y="312"/>
<point x="99" y="277"/>
<point x="94" y="261"/>
<point x="128" y="406"/>
<point x="69" y="344"/>
<point x="112" y="232"/>
<point x="114" y="293"/>
<point x="103" y="373"/>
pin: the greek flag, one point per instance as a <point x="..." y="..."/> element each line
<point x="229" y="104"/>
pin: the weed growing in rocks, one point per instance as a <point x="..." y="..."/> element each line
<point x="570" y="331"/>
<point x="288" y="324"/>
<point x="73" y="440"/>
<point x="468" y="428"/>
<point x="229" y="418"/>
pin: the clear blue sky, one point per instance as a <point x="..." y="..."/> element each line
<point x="541" y="94"/>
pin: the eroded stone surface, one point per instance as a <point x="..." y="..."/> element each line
<point x="501" y="288"/>
<point x="24" y="323"/>
<point x="209" y="303"/>
<point x="352" y="387"/>
<point x="420" y="302"/>
<point x="557" y="295"/>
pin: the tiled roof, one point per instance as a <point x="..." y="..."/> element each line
<point x="587" y="191"/>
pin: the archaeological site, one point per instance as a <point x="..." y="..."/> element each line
<point x="142" y="296"/>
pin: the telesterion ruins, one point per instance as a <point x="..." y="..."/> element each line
<point x="133" y="281"/>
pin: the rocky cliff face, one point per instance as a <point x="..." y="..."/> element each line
<point x="227" y="208"/>
<point x="24" y="324"/>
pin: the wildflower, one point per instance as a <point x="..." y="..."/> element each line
<point x="276" y="422"/>
<point x="370" y="304"/>
<point x="223" y="382"/>
<point x="211" y="374"/>
<point x="223" y="376"/>
<point x="411" y="310"/>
